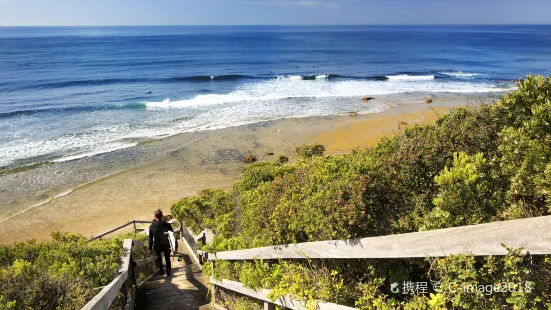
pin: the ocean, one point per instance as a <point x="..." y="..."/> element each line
<point x="73" y="92"/>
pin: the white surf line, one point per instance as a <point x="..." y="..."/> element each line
<point x="85" y="184"/>
<point x="43" y="202"/>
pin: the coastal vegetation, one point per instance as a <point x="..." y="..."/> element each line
<point x="64" y="273"/>
<point x="477" y="164"/>
<point x="309" y="151"/>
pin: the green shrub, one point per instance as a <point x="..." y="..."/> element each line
<point x="515" y="280"/>
<point x="61" y="274"/>
<point x="258" y="173"/>
<point x="311" y="150"/>
<point x="210" y="209"/>
<point x="468" y="193"/>
<point x="464" y="281"/>
<point x="282" y="159"/>
<point x="474" y="165"/>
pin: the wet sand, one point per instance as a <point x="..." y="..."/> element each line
<point x="130" y="184"/>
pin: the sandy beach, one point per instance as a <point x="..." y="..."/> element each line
<point x="130" y="184"/>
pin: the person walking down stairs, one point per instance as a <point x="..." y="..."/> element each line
<point x="159" y="240"/>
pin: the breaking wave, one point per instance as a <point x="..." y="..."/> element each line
<point x="252" y="100"/>
<point x="460" y="74"/>
<point x="405" y="77"/>
<point x="296" y="87"/>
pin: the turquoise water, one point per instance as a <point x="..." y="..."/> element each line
<point x="73" y="92"/>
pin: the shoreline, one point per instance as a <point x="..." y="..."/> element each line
<point x="171" y="168"/>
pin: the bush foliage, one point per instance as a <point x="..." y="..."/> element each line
<point x="309" y="151"/>
<point x="61" y="274"/>
<point x="474" y="165"/>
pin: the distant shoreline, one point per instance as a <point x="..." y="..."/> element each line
<point x="160" y="172"/>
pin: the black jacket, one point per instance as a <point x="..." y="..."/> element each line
<point x="157" y="237"/>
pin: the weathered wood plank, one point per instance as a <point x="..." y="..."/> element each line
<point x="157" y="289"/>
<point x="206" y="235"/>
<point x="145" y="261"/>
<point x="183" y="290"/>
<point x="533" y="234"/>
<point x="111" y="230"/>
<point x="262" y="295"/>
<point x="104" y="299"/>
<point x="140" y="243"/>
<point x="189" y="244"/>
<point x="127" y="246"/>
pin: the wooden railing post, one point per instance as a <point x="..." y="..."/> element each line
<point x="213" y="294"/>
<point x="213" y="286"/>
<point x="134" y="226"/>
<point x="269" y="306"/>
<point x="132" y="283"/>
<point x="129" y="302"/>
<point x="128" y="284"/>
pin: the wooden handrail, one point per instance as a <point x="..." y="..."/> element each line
<point x="189" y="242"/>
<point x="145" y="261"/>
<point x="112" y="230"/>
<point x="532" y="234"/>
<point x="127" y="277"/>
<point x="262" y="295"/>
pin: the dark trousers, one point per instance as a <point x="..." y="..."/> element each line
<point x="166" y="252"/>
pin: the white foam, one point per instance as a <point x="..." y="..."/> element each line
<point x="102" y="150"/>
<point x="248" y="103"/>
<point x="202" y="100"/>
<point x="461" y="75"/>
<point x="289" y="77"/>
<point x="300" y="77"/>
<point x="76" y="146"/>
<point x="282" y="89"/>
<point x="405" y="77"/>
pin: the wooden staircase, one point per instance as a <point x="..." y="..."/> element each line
<point x="186" y="288"/>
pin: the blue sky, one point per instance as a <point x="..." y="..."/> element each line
<point x="244" y="12"/>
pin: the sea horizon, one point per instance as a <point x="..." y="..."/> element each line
<point x="277" y="25"/>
